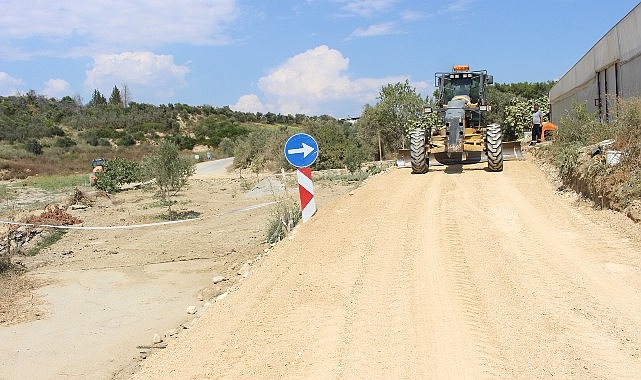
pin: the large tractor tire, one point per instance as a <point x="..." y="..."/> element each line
<point x="420" y="162"/>
<point x="494" y="148"/>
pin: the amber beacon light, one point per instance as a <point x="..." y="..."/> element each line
<point x="461" y="68"/>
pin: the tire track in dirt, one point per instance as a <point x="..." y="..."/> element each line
<point x="390" y="309"/>
<point x="459" y="234"/>
<point x="550" y="281"/>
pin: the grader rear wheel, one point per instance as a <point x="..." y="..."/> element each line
<point x="494" y="148"/>
<point x="420" y="163"/>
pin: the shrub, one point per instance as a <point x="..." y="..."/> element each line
<point x="354" y="157"/>
<point x="127" y="140"/>
<point x="117" y="172"/>
<point x="65" y="142"/>
<point x="226" y="147"/>
<point x="169" y="169"/>
<point x="285" y="216"/>
<point x="33" y="146"/>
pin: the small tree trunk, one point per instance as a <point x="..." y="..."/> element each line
<point x="380" y="149"/>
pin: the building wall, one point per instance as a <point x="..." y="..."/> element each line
<point x="611" y="68"/>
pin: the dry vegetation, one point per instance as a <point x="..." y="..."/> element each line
<point x="17" y="302"/>
<point x="581" y="150"/>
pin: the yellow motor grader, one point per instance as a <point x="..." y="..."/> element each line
<point x="463" y="137"/>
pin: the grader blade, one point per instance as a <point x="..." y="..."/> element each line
<point x="456" y="158"/>
<point x="512" y="150"/>
<point x="403" y="158"/>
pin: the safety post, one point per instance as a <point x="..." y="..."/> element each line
<point x="306" y="192"/>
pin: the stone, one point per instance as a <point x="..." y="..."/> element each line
<point x="244" y="270"/>
<point x="221" y="297"/>
<point x="633" y="211"/>
<point x="191" y="310"/>
<point x="218" y="279"/>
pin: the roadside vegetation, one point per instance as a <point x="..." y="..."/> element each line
<point x="50" y="143"/>
<point x="601" y="160"/>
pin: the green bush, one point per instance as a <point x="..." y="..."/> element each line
<point x="354" y="157"/>
<point x="92" y="140"/>
<point x="127" y="140"/>
<point x="33" y="146"/>
<point x="117" y="172"/>
<point x="518" y="116"/>
<point x="576" y="153"/>
<point x="65" y="142"/>
<point x="226" y="147"/>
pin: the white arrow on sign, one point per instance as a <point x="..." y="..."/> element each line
<point x="305" y="150"/>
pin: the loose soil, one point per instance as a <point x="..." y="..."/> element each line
<point x="459" y="273"/>
<point x="98" y="301"/>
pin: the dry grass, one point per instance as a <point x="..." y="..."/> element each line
<point x="613" y="186"/>
<point x="58" y="161"/>
<point x="17" y="302"/>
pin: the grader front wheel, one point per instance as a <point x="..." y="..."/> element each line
<point x="420" y="162"/>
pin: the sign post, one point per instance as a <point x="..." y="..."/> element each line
<point x="301" y="150"/>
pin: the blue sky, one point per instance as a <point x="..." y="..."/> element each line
<point x="286" y="56"/>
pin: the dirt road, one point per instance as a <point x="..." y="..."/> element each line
<point x="453" y="275"/>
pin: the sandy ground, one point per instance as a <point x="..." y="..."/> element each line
<point x="109" y="293"/>
<point x="457" y="274"/>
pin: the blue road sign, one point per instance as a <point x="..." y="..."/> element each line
<point x="301" y="150"/>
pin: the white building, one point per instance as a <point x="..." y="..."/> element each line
<point x="611" y="69"/>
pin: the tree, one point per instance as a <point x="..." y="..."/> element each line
<point x="339" y="144"/>
<point x="526" y="90"/>
<point x="126" y="95"/>
<point x="170" y="171"/>
<point x="97" y="99"/>
<point x="115" y="98"/>
<point x="385" y="125"/>
<point x="518" y="115"/>
<point x="503" y="96"/>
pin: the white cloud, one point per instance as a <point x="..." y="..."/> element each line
<point x="410" y="15"/>
<point x="312" y="81"/>
<point x="374" y="30"/>
<point x="56" y="88"/>
<point x="459" y="5"/>
<point x="8" y="84"/>
<point x="248" y="103"/>
<point x="367" y="8"/>
<point x="147" y="74"/>
<point x="117" y="25"/>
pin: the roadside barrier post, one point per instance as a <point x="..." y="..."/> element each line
<point x="301" y="150"/>
<point x="306" y="192"/>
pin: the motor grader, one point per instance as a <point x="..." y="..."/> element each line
<point x="463" y="137"/>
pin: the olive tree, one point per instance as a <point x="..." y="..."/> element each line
<point x="385" y="124"/>
<point x="170" y="171"/>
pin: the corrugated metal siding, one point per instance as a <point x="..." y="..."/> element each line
<point x="620" y="46"/>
